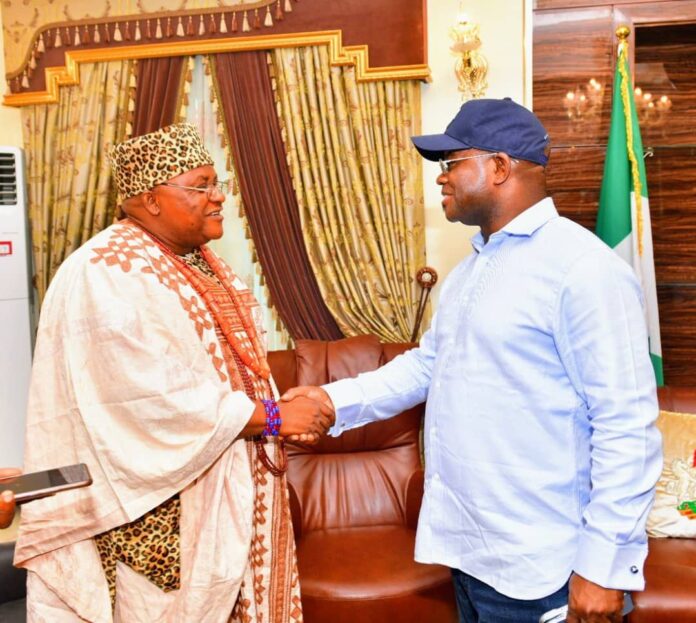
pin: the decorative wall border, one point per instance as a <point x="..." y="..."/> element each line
<point x="356" y="55"/>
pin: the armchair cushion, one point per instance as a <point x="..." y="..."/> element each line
<point x="383" y="554"/>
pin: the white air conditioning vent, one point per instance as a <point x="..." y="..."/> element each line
<point x="16" y="314"/>
<point x="8" y="179"/>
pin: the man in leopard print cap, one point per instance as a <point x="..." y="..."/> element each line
<point x="150" y="368"/>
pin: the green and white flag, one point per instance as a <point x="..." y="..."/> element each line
<point x="623" y="220"/>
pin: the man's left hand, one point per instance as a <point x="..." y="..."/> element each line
<point x="7" y="503"/>
<point x="591" y="603"/>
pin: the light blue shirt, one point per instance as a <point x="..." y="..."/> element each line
<point x="541" y="451"/>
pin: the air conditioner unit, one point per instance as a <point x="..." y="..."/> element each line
<point x="16" y="312"/>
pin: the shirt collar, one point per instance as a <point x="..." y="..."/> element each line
<point x="525" y="223"/>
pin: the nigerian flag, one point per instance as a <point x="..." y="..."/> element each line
<point x="623" y="220"/>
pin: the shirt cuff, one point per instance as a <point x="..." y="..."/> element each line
<point x="609" y="565"/>
<point x="345" y="395"/>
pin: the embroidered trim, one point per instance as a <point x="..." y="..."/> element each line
<point x="129" y="248"/>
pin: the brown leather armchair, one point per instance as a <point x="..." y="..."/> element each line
<point x="355" y="502"/>
<point x="670" y="569"/>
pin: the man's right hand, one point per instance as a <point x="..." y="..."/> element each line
<point x="315" y="393"/>
<point x="304" y="418"/>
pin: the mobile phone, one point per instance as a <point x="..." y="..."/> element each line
<point x="558" y="615"/>
<point x="37" y="485"/>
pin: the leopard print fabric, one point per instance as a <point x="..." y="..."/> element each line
<point x="149" y="545"/>
<point x="140" y="163"/>
<point x="196" y="260"/>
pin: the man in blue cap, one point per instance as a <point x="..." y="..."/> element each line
<point x="541" y="451"/>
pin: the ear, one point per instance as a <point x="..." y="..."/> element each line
<point x="503" y="168"/>
<point x="150" y="203"/>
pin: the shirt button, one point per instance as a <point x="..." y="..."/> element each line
<point x="634" y="569"/>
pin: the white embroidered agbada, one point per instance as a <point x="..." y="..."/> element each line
<point x="129" y="378"/>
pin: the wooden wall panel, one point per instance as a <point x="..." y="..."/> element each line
<point x="570" y="48"/>
<point x="576" y="196"/>
<point x="678" y="332"/>
<point x="672" y="190"/>
<point x="668" y="70"/>
<point x="667" y="12"/>
<point x="587" y="164"/>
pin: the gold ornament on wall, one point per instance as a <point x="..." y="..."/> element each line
<point x="471" y="66"/>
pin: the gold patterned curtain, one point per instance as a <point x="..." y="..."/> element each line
<point x="359" y="188"/>
<point x="70" y="196"/>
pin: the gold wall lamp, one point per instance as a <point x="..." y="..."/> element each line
<point x="471" y="66"/>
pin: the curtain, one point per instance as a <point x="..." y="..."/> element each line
<point x="236" y="246"/>
<point x="244" y="88"/>
<point x="159" y="89"/>
<point x="69" y="190"/>
<point x="359" y="188"/>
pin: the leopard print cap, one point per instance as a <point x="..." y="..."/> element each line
<point x="140" y="163"/>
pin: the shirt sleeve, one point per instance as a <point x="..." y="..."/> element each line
<point x="383" y="393"/>
<point x="602" y="338"/>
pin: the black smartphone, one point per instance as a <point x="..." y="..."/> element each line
<point x="37" y="485"/>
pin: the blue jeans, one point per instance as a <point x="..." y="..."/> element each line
<point x="479" y="603"/>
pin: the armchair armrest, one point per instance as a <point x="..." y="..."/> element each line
<point x="414" y="497"/>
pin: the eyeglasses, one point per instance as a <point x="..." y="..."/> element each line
<point x="221" y="187"/>
<point x="445" y="164"/>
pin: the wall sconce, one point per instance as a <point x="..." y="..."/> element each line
<point x="471" y="66"/>
<point x="651" y="111"/>
<point x="584" y="103"/>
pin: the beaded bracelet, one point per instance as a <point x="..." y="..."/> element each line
<point x="273" y="420"/>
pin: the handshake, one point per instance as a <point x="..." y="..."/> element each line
<point x="307" y="413"/>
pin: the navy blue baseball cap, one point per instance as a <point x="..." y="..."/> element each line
<point x="490" y="125"/>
